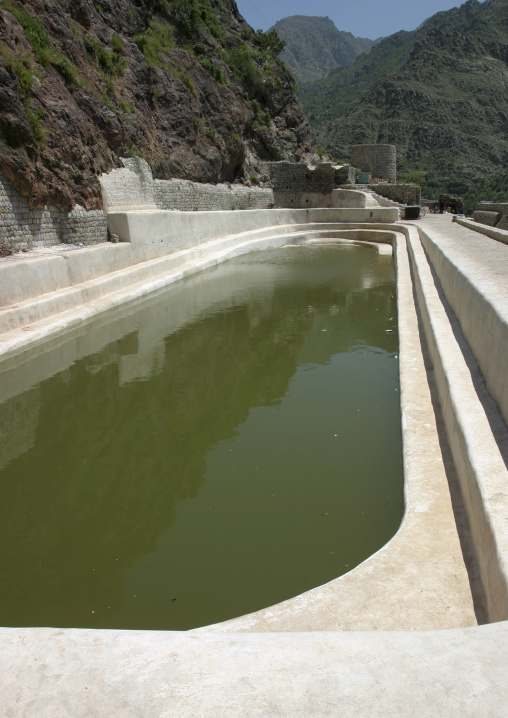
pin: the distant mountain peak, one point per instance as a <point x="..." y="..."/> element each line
<point x="315" y="47"/>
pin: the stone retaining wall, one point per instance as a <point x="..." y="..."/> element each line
<point x="345" y="174"/>
<point x="492" y="214"/>
<point x="24" y="228"/>
<point x="133" y="187"/>
<point x="402" y="193"/>
<point x="130" y="186"/>
<point x="191" y="196"/>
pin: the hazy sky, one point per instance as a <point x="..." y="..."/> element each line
<point x="364" y="18"/>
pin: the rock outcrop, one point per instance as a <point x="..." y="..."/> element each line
<point x="186" y="84"/>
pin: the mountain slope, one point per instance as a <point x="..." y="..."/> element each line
<point x="446" y="109"/>
<point x="314" y="46"/>
<point x="185" y="83"/>
<point x="342" y="90"/>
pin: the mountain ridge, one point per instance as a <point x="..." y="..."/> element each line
<point x="322" y="99"/>
<point x="441" y="97"/>
<point x="315" y="47"/>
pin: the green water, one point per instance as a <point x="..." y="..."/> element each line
<point x="225" y="445"/>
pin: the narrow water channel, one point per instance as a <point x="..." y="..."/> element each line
<point x="215" y="449"/>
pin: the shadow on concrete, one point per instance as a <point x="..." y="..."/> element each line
<point x="459" y="509"/>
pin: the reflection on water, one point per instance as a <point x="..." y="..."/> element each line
<point x="223" y="446"/>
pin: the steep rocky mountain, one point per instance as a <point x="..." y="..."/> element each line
<point x="314" y="46"/>
<point x="344" y="88"/>
<point x="187" y="84"/>
<point x="445" y="107"/>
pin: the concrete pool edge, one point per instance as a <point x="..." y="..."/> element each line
<point x="455" y="672"/>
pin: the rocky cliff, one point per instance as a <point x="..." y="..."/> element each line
<point x="186" y="84"/>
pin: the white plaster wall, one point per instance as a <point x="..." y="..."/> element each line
<point x="482" y="317"/>
<point x="158" y="232"/>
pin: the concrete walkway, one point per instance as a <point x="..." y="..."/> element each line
<point x="473" y="272"/>
<point x="484" y="259"/>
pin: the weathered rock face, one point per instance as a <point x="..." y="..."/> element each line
<point x="186" y="84"/>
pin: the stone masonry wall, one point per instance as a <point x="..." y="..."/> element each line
<point x="501" y="207"/>
<point x="24" y="228"/>
<point x="379" y="160"/>
<point x="488" y="218"/>
<point x="133" y="186"/>
<point x="290" y="181"/>
<point x="191" y="196"/>
<point x="128" y="187"/>
<point x="344" y="174"/>
<point x="494" y="214"/>
<point x="402" y="193"/>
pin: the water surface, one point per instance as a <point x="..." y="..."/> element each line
<point x="225" y="445"/>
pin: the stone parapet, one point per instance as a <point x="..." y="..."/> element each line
<point x="345" y="174"/>
<point x="501" y="207"/>
<point x="132" y="187"/>
<point x="488" y="218"/>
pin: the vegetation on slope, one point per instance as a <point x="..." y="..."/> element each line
<point x="344" y="88"/>
<point x="185" y="83"/>
<point x="444" y="106"/>
<point x="314" y="46"/>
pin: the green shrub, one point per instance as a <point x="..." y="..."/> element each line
<point x="189" y="15"/>
<point x="134" y="151"/>
<point x="269" y="42"/>
<point x="34" y="31"/>
<point x="157" y="40"/>
<point x="117" y="44"/>
<point x="233" y="142"/>
<point x="111" y="63"/>
<point x="22" y="67"/>
<point x="214" y="69"/>
<point x="128" y="107"/>
<point x="67" y="70"/>
<point x="187" y="82"/>
<point x="107" y="102"/>
<point x="43" y="50"/>
<point x="414" y="177"/>
<point x="245" y="70"/>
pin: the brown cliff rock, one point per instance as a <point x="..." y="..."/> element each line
<point x="186" y="84"/>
